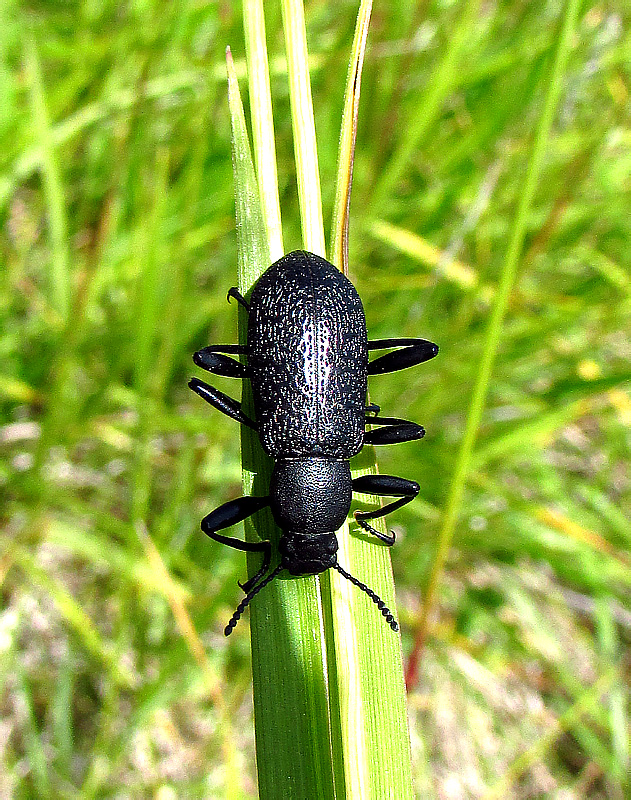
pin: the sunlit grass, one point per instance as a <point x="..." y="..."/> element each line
<point x="116" y="178"/>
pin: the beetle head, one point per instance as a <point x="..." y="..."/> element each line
<point x="304" y="554"/>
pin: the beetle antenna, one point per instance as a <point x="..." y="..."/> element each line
<point x="373" y="596"/>
<point x="246" y="600"/>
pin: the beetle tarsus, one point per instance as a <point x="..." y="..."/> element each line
<point x="386" y="538"/>
<point x="246" y="600"/>
<point x="383" y="486"/>
<point x="234" y="292"/>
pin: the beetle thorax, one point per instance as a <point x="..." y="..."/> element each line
<point x="310" y="499"/>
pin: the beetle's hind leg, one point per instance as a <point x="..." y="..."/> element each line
<point x="395" y="430"/>
<point x="414" y="351"/>
<point x="383" y="486"/>
<point x="234" y="292"/>
<point x="229" y="514"/>
<point x="231" y="408"/>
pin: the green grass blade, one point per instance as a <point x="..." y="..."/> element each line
<point x="618" y="696"/>
<point x="425" y="115"/>
<point x="92" y="114"/>
<point x="147" y="318"/>
<point x="303" y="123"/>
<point x="33" y="743"/>
<point x="368" y="704"/>
<point x="425" y="253"/>
<point x="288" y="661"/>
<point x="262" y="123"/>
<point x="61" y="712"/>
<point x="53" y="187"/>
<point x="494" y="330"/>
<point x="75" y="617"/>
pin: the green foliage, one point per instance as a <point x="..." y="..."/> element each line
<point x="117" y="204"/>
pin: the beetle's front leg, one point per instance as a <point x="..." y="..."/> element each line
<point x="383" y="486"/>
<point x="229" y="514"/>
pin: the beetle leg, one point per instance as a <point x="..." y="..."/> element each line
<point x="220" y="401"/>
<point x="234" y="292"/>
<point x="414" y="351"/>
<point x="383" y="486"/>
<point x="373" y="408"/>
<point x="229" y="514"/>
<point x="209" y="358"/>
<point x="396" y="430"/>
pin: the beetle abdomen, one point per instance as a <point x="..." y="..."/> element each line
<point x="308" y="359"/>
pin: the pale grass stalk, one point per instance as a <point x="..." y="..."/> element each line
<point x="306" y="153"/>
<point x="263" y="123"/>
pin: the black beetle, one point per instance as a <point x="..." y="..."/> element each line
<point x="307" y="360"/>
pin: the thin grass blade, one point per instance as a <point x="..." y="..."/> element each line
<point x="585" y="704"/>
<point x="75" y="617"/>
<point x="147" y="316"/>
<point x="306" y="152"/>
<point x="618" y="695"/>
<point x="262" y="123"/>
<point x="425" y="253"/>
<point x="494" y="330"/>
<point x="424" y="116"/>
<point x="33" y="742"/>
<point x="53" y="186"/>
<point x="348" y="135"/>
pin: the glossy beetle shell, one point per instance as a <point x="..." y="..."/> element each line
<point x="308" y="359"/>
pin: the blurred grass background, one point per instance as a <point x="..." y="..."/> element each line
<point x="118" y="247"/>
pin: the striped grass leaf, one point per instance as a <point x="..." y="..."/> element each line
<point x="368" y="704"/>
<point x="262" y="123"/>
<point x="288" y="658"/>
<point x="303" y="125"/>
<point x="348" y="136"/>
